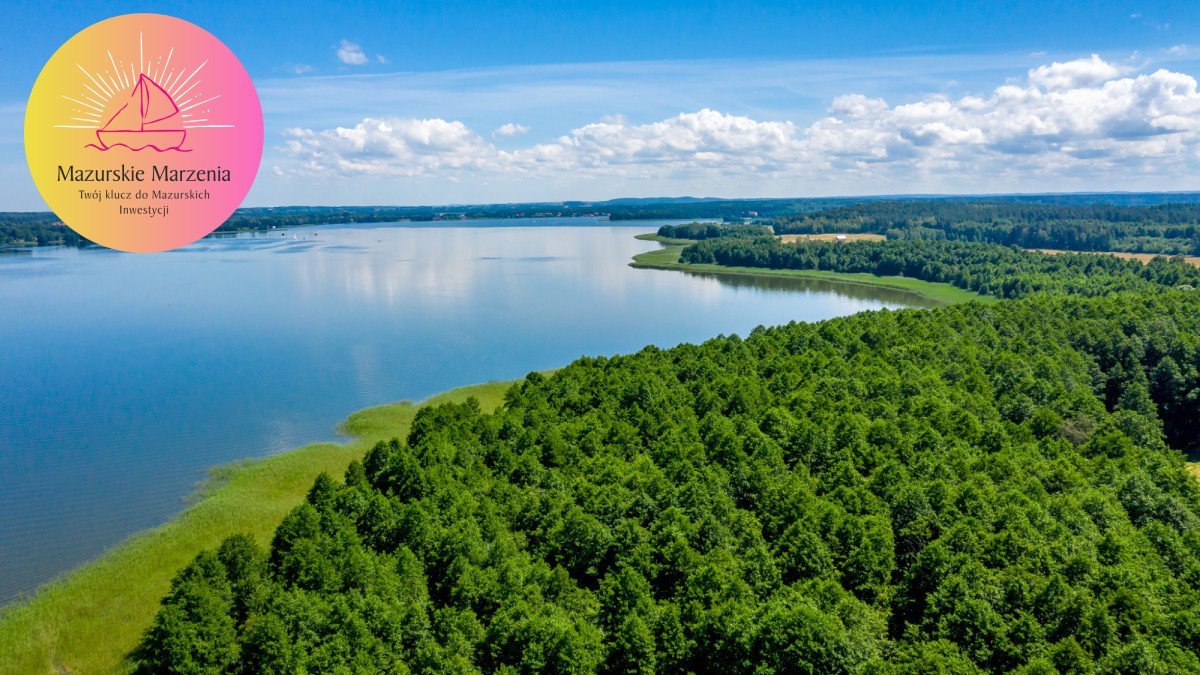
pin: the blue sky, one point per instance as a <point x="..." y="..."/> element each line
<point x="473" y="101"/>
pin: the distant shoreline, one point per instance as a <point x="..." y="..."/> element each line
<point x="667" y="258"/>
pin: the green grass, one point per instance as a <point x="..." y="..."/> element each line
<point x="88" y="620"/>
<point x="670" y="241"/>
<point x="667" y="258"/>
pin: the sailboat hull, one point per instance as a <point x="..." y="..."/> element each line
<point x="170" y="139"/>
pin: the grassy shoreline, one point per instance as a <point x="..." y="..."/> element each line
<point x="89" y="619"/>
<point x="667" y="258"/>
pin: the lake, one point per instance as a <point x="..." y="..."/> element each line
<point x="125" y="377"/>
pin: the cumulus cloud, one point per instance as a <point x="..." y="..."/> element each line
<point x="511" y="129"/>
<point x="1085" y="117"/>
<point x="1073" y="74"/>
<point x="391" y="146"/>
<point x="351" y="53"/>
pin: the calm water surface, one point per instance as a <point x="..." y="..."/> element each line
<point x="124" y="377"/>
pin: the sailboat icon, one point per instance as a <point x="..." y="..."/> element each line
<point x="149" y="119"/>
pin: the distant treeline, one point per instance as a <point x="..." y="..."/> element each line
<point x="711" y="231"/>
<point x="1149" y="222"/>
<point x="266" y="218"/>
<point x="1163" y="228"/>
<point x="737" y="209"/>
<point x="36" y="229"/>
<point x="989" y="269"/>
<point x="44" y="229"/>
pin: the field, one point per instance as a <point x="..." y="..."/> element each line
<point x="88" y="620"/>
<point x="1142" y="257"/>
<point x="830" y="236"/>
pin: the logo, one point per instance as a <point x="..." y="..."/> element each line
<point x="143" y="132"/>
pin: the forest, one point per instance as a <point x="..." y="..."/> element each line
<point x="1171" y="228"/>
<point x="1141" y="222"/>
<point x="979" y="488"/>
<point x="36" y="229"/>
<point x="989" y="269"/>
<point x="45" y="229"/>
<point x="698" y="231"/>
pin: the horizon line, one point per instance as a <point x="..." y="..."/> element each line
<point x="665" y="199"/>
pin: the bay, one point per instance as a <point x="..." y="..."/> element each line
<point x="125" y="377"/>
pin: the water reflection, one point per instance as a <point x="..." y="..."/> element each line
<point x="844" y="289"/>
<point x="123" y="377"/>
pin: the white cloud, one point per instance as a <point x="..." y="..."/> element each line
<point x="298" y="68"/>
<point x="1073" y="74"/>
<point x="390" y="146"/>
<point x="857" y="106"/>
<point x="700" y="139"/>
<point x="1084" y="118"/>
<point x="351" y="53"/>
<point x="510" y="129"/>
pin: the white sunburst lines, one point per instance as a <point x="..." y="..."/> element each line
<point x="91" y="107"/>
<point x="107" y="93"/>
<point x="181" y="89"/>
<point x="193" y="123"/>
<point x="167" y="80"/>
<point x="89" y="115"/>
<point x="103" y="99"/>
<point x="193" y="105"/>
<point x="162" y="71"/>
<point x="107" y="86"/>
<point x="177" y="82"/>
<point x="120" y="76"/>
<point x="175" y="91"/>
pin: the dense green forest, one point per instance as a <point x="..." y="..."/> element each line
<point x="977" y="488"/>
<point x="36" y="229"/>
<point x="712" y="231"/>
<point x="989" y="269"/>
<point x="1163" y="228"/>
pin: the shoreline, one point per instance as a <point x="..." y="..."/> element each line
<point x="89" y="618"/>
<point x="667" y="258"/>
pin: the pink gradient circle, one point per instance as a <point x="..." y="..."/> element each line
<point x="143" y="132"/>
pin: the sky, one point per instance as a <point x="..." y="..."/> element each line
<point x="473" y="102"/>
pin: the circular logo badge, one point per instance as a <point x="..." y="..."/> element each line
<point x="143" y="132"/>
